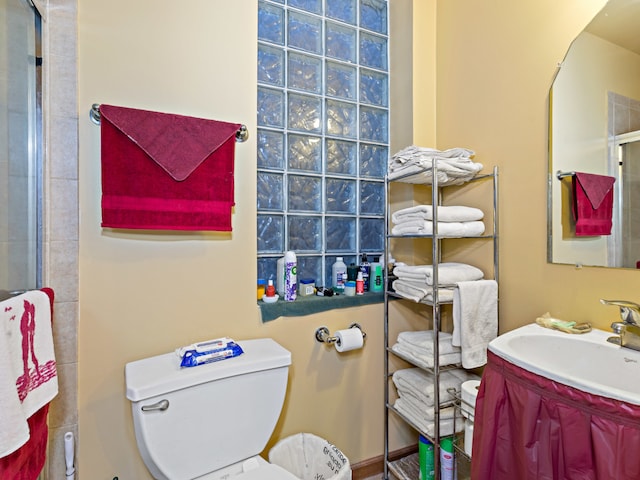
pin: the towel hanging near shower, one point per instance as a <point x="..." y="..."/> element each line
<point x="592" y="203"/>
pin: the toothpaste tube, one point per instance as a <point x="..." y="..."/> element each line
<point x="209" y="351"/>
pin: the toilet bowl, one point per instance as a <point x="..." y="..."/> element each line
<point x="210" y="421"/>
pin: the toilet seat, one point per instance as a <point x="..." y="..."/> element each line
<point x="267" y="472"/>
<point x="254" y="468"/>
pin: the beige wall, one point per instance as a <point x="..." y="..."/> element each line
<point x="144" y="294"/>
<point x="495" y="63"/>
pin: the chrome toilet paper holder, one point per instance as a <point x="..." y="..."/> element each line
<point x="324" y="336"/>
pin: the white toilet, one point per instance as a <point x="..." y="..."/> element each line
<point x="210" y="421"/>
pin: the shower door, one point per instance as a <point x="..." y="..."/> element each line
<point x="629" y="196"/>
<point x="20" y="146"/>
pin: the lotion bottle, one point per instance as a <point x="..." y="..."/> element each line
<point x="360" y="284"/>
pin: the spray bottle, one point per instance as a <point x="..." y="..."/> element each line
<point x="447" y="460"/>
<point x="290" y="276"/>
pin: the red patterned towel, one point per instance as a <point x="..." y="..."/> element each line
<point x="166" y="172"/>
<point x="26" y="328"/>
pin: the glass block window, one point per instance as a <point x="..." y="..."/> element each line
<point x="323" y="132"/>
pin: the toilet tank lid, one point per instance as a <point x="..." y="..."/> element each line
<point x="162" y="374"/>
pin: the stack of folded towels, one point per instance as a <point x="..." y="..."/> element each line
<point x="415" y="165"/>
<point x="415" y="401"/>
<point x="453" y="221"/>
<point x="417" y="347"/>
<point x="416" y="282"/>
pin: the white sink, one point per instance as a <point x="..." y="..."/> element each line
<point x="583" y="361"/>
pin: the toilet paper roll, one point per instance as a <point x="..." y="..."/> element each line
<point x="469" y="395"/>
<point x="468" y="437"/>
<point x="349" y="339"/>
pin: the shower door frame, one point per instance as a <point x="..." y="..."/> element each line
<point x="616" y="250"/>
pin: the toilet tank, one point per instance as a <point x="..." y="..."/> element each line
<point x="218" y="413"/>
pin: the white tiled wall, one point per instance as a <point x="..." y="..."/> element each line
<point x="61" y="215"/>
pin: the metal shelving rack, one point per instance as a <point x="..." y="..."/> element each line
<point x="407" y="468"/>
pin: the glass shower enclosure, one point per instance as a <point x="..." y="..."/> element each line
<point x="20" y="146"/>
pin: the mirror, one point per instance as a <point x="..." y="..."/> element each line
<point x="595" y="129"/>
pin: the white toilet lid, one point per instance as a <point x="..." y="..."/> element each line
<point x="266" y="472"/>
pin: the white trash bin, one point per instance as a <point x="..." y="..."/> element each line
<point x="309" y="457"/>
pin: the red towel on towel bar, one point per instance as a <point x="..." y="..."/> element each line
<point x="592" y="204"/>
<point x="166" y="172"/>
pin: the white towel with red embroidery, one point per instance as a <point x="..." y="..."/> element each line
<point x="28" y="376"/>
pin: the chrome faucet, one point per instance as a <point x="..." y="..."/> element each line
<point x="629" y="328"/>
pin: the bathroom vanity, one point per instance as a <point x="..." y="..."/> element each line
<point x="557" y="405"/>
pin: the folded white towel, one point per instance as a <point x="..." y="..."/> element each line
<point x="446" y="213"/>
<point x="419" y="290"/>
<point x="413" y="154"/>
<point x="475" y="319"/>
<point x="424" y="360"/>
<point x="415" y="165"/>
<point x="445" y="229"/>
<point x="422" y="341"/>
<point x="449" y="273"/>
<point x="417" y="347"/>
<point x="423" y="411"/>
<point x="416" y="416"/>
<point x="417" y="382"/>
<point x="28" y="378"/>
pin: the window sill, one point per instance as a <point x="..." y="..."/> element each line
<point x="313" y="304"/>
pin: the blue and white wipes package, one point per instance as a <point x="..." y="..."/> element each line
<point x="208" y="352"/>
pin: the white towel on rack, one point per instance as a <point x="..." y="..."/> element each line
<point x="414" y="164"/>
<point x="426" y="426"/>
<point x="422" y="360"/>
<point x="419" y="349"/>
<point x="475" y="320"/>
<point x="445" y="229"/>
<point x="449" y="273"/>
<point x="422" y="411"/>
<point x="417" y="383"/>
<point x="418" y="291"/>
<point x="422" y="341"/>
<point x="446" y="213"/>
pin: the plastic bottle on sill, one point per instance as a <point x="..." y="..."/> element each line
<point x="280" y="276"/>
<point x="339" y="275"/>
<point x="365" y="268"/>
<point x="360" y="284"/>
<point x="376" y="279"/>
<point x="290" y="276"/>
<point x="391" y="263"/>
<point x="270" y="290"/>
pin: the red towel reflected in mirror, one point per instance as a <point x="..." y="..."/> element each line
<point x="592" y="204"/>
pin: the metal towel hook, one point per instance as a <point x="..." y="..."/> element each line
<point x="242" y="135"/>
